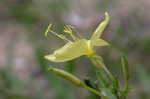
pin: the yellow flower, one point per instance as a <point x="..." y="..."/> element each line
<point x="78" y="47"/>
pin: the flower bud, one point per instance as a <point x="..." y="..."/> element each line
<point x="73" y="79"/>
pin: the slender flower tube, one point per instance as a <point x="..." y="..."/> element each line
<point x="78" y="47"/>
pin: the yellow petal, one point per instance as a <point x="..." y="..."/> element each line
<point x="98" y="32"/>
<point x="69" y="51"/>
<point x="100" y="42"/>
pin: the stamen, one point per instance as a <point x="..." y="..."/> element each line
<point x="68" y="30"/>
<point x="48" y="29"/>
<point x="78" y="34"/>
<point x="58" y="35"/>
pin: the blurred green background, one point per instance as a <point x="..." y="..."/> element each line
<point x="23" y="70"/>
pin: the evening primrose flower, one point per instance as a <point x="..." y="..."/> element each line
<point x="78" y="47"/>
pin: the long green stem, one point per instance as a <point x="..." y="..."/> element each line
<point x="100" y="64"/>
<point x="95" y="91"/>
<point x="107" y="71"/>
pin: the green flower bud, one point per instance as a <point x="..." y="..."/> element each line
<point x="73" y="79"/>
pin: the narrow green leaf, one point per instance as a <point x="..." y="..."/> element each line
<point x="125" y="67"/>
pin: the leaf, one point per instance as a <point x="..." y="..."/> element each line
<point x="125" y="67"/>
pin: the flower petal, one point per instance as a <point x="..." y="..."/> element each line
<point x="101" y="28"/>
<point x="69" y="51"/>
<point x="100" y="42"/>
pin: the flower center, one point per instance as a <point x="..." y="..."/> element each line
<point x="90" y="50"/>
